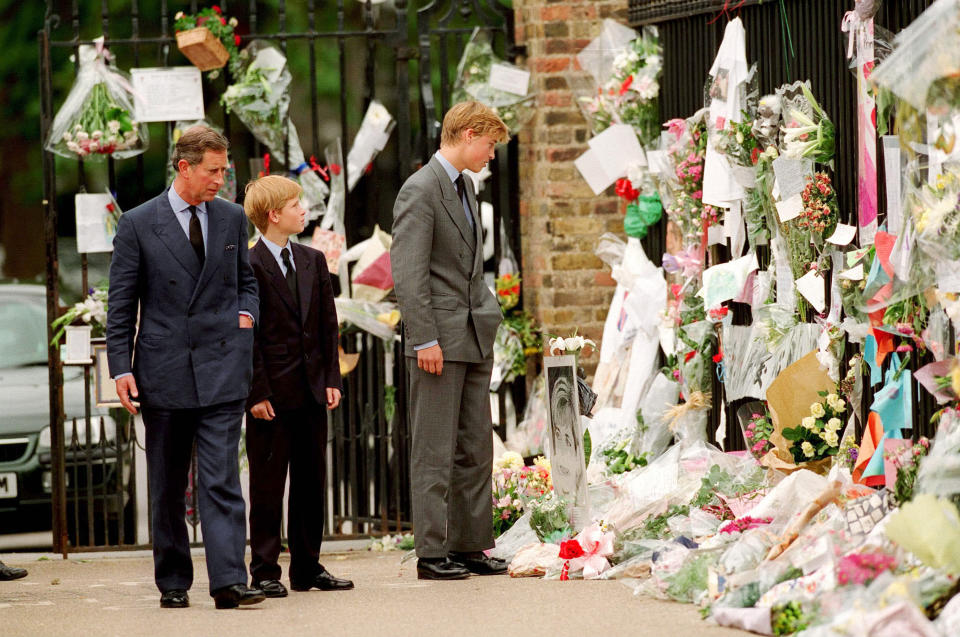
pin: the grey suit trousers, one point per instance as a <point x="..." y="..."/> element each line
<point x="452" y="458"/>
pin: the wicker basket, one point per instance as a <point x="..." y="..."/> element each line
<point x="202" y="48"/>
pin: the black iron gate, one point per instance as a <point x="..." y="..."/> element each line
<point x="342" y="56"/>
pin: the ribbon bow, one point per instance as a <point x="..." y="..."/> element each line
<point x="588" y="551"/>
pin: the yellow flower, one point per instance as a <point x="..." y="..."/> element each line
<point x="817" y="410"/>
<point x="955" y="380"/>
<point x="834" y="424"/>
<point x="807" y="449"/>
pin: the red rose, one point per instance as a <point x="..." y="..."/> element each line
<point x="626" y="84"/>
<point x="690" y="354"/>
<point x="216" y="9"/>
<point x="570" y="549"/>
<point x="755" y="155"/>
<point x="223" y="21"/>
<point x="236" y="39"/>
<point x="625" y="190"/>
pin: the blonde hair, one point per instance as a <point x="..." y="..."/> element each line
<point x="475" y="116"/>
<point x="265" y="194"/>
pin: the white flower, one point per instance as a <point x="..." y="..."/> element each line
<point x="82" y="136"/>
<point x="94" y="146"/>
<point x="178" y="15"/>
<point x="233" y="22"/>
<point x="114" y="126"/>
<point x="832" y="399"/>
<point x="840" y="406"/>
<point x="96" y="135"/>
<point x="654" y="61"/>
<point x="509" y="460"/>
<point x="73" y="147"/>
<point x="834" y="424"/>
<point x="832" y="438"/>
<point x="817" y="410"/>
<point x="67" y="137"/>
<point x="807" y="449"/>
<point x="809" y="422"/>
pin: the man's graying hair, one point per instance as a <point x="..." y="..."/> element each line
<point x="194" y="142"/>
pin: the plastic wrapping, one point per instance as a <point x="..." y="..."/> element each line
<point x="367" y="315"/>
<point x="939" y="472"/>
<point x="532" y="433"/>
<point x="261" y="100"/>
<point x="515" y="538"/>
<point x="474" y="82"/>
<point x="98" y="117"/>
<point x="507" y="356"/>
<point x="926" y="52"/>
<point x="374" y="133"/>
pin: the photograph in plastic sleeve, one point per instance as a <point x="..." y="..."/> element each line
<point x="566" y="437"/>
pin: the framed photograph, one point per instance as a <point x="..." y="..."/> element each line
<point x="566" y="435"/>
<point x="105" y="389"/>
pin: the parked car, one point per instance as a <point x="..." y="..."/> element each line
<point x="97" y="473"/>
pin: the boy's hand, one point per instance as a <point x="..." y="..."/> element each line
<point x="263" y="410"/>
<point x="333" y="397"/>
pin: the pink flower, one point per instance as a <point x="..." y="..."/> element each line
<point x="748" y="434"/>
<point x="697" y="194"/>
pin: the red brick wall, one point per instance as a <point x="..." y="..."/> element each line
<point x="565" y="285"/>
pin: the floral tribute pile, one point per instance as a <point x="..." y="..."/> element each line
<point x="805" y="325"/>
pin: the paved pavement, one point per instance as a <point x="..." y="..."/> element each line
<point x="106" y="594"/>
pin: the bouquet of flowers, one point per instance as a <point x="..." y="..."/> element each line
<point x="549" y="518"/>
<point x="508" y="291"/>
<point x="473" y="83"/>
<point x="817" y="437"/>
<point x="260" y="98"/>
<point x="618" y="454"/>
<point x="635" y="88"/>
<point x="819" y="214"/>
<point x="744" y="524"/>
<point x="757" y="434"/>
<point x="936" y="215"/>
<point x="97" y="119"/>
<point x="515" y="486"/>
<point x="809" y="133"/>
<point x="398" y="542"/>
<point x="213" y="20"/>
<point x="906" y="460"/>
<point x="517" y="337"/>
<point x="92" y="311"/>
<point x="738" y="142"/>
<point x="863" y="568"/>
<point x="687" y="210"/>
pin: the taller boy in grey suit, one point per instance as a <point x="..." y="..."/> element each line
<point x="450" y="321"/>
<point x="181" y="258"/>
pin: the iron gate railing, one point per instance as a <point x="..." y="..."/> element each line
<point x="352" y="53"/>
<point x="790" y="40"/>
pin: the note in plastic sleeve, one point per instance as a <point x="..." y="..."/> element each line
<point x="789" y="208"/>
<point x="167" y="94"/>
<point x="853" y="274"/>
<point x="810" y="285"/>
<point x="617" y="148"/>
<point x="843" y="235"/>
<point x="509" y="78"/>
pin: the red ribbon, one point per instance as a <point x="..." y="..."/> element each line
<point x="317" y="168"/>
<point x="726" y="9"/>
<point x="266" y="163"/>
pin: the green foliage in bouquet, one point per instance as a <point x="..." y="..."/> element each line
<point x="809" y="137"/>
<point x="549" y="518"/>
<point x="789" y="618"/>
<point x="688" y="583"/>
<point x="656" y="528"/>
<point x="92" y="311"/>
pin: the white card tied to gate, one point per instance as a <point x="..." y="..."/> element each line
<point x="843" y="235"/>
<point x="810" y="285"/>
<point x="789" y="208"/>
<point x="167" y="94"/>
<point x="853" y="274"/>
<point x="97" y="217"/>
<point x="509" y="78"/>
<point x="610" y="153"/>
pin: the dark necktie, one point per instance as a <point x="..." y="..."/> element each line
<point x="196" y="234"/>
<point x="291" y="275"/>
<point x="464" y="199"/>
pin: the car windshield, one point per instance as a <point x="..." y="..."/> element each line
<point x="23" y="331"/>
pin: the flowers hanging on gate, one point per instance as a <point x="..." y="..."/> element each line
<point x="817" y="436"/>
<point x="222" y="28"/>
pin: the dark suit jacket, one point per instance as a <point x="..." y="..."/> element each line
<point x="437" y="263"/>
<point x="293" y="343"/>
<point x="190" y="351"/>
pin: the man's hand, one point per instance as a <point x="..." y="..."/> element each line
<point x="263" y="410"/>
<point x="246" y="322"/>
<point x="333" y="397"/>
<point x="127" y="390"/>
<point x="430" y="360"/>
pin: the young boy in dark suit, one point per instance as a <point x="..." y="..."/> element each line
<point x="296" y="378"/>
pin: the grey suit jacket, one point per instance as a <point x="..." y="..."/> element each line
<point x="437" y="264"/>
<point x="190" y="350"/>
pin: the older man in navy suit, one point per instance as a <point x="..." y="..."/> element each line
<point x="182" y="258"/>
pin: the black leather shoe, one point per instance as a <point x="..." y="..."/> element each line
<point x="8" y="573"/>
<point x="237" y="595"/>
<point x="271" y="587"/>
<point x="324" y="581"/>
<point x="478" y="563"/>
<point x="440" y="568"/>
<point x="177" y="598"/>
